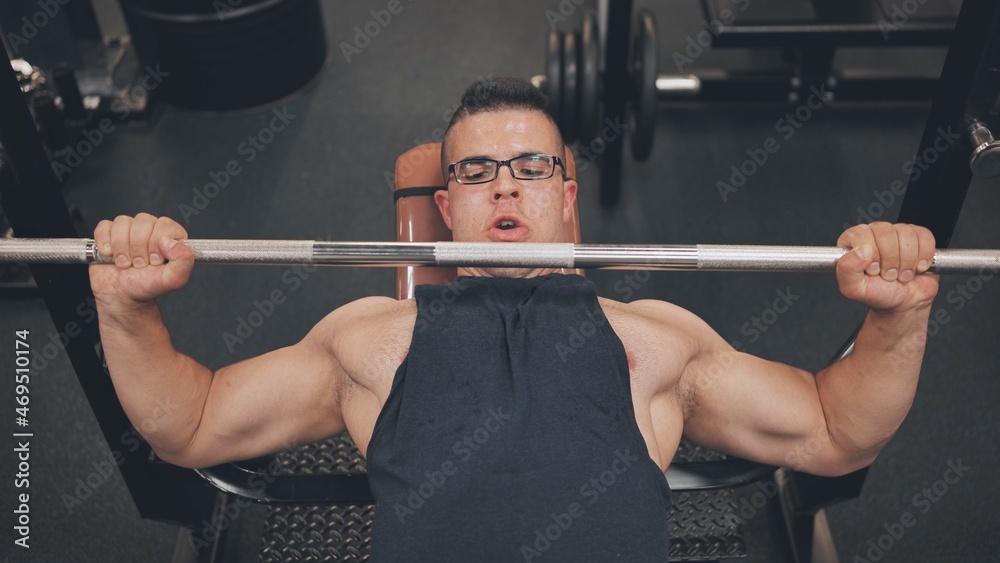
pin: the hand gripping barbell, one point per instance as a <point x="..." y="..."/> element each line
<point x="704" y="257"/>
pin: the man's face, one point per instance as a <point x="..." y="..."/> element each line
<point x="537" y="208"/>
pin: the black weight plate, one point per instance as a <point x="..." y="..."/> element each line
<point x="610" y="164"/>
<point x="589" y="79"/>
<point x="642" y="117"/>
<point x="570" y="93"/>
<point x="553" y="74"/>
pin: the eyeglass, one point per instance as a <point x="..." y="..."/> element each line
<point x="527" y="167"/>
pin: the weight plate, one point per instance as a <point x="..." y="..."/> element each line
<point x="610" y="164"/>
<point x="589" y="79"/>
<point x="642" y="114"/>
<point x="571" y="92"/>
<point x="553" y="75"/>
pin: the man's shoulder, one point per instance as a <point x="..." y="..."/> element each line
<point x="654" y="311"/>
<point x="656" y="321"/>
<point x="376" y="309"/>
<point x="370" y="330"/>
<point x="368" y="314"/>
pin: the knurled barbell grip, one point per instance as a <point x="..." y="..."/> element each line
<point x="704" y="257"/>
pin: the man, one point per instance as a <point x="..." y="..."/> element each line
<point x="479" y="432"/>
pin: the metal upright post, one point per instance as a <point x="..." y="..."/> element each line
<point x="967" y="93"/>
<point x="35" y="208"/>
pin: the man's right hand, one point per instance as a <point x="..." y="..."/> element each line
<point x="148" y="260"/>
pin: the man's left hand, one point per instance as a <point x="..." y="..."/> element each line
<point x="885" y="267"/>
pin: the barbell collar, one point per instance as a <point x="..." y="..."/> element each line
<point x="704" y="257"/>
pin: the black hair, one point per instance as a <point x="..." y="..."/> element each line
<point x="501" y="93"/>
<point x="498" y="94"/>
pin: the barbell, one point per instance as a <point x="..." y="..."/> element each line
<point x="668" y="257"/>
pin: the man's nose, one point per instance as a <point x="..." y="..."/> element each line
<point x="505" y="185"/>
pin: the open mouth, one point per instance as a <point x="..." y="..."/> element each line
<point x="508" y="229"/>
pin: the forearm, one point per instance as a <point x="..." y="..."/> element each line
<point x="866" y="396"/>
<point x="162" y="391"/>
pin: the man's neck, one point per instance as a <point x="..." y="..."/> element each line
<point x="506" y="272"/>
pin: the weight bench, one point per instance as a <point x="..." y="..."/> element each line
<point x="321" y="507"/>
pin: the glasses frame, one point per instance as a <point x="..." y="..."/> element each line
<point x="556" y="161"/>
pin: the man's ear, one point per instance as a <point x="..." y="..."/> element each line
<point x="570" y="188"/>
<point x="443" y="200"/>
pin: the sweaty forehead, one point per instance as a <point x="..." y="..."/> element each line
<point x="503" y="134"/>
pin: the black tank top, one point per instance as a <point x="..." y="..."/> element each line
<point x="509" y="433"/>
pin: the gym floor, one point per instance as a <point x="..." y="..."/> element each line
<point x="323" y="177"/>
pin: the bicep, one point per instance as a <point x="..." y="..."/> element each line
<point x="756" y="409"/>
<point x="265" y="404"/>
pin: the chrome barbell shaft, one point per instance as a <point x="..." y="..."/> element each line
<point x="706" y="257"/>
